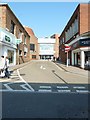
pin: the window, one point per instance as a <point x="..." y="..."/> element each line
<point x="32" y="47"/>
<point x="33" y="56"/>
<point x="10" y="56"/>
<point x="12" y="27"/>
<point x="25" y="53"/>
<point x="20" y="34"/>
<point x="24" y="39"/>
<point x="72" y="30"/>
<point x="20" y="52"/>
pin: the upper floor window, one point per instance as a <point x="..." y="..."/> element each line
<point x="72" y="30"/>
<point x="24" y="39"/>
<point x="12" y="27"/>
<point x="20" y="34"/>
<point x="32" y="47"/>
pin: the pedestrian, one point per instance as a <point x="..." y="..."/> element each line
<point x="2" y="66"/>
<point x="7" y="67"/>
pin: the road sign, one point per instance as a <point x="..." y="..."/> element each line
<point x="67" y="48"/>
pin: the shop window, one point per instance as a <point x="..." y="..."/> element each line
<point x="12" y="27"/>
<point x="11" y="56"/>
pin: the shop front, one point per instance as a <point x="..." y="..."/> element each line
<point x="8" y="46"/>
<point x="81" y="52"/>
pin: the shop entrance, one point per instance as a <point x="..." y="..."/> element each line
<point x="46" y="57"/>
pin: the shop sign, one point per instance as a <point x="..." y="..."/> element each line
<point x="18" y="41"/>
<point x="84" y="42"/>
<point x="75" y="45"/>
<point x="7" y="38"/>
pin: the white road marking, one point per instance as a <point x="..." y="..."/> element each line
<point x="44" y="90"/>
<point x="79" y="87"/>
<point x="62" y="86"/>
<point x="24" y="81"/>
<point x="41" y="67"/>
<point x="44" y="68"/>
<point x="64" y="90"/>
<point x="8" y="87"/>
<point x="82" y="91"/>
<point x="45" y="87"/>
<point x="24" y="86"/>
<point x="5" y="80"/>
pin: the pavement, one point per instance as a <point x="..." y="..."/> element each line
<point x="74" y="69"/>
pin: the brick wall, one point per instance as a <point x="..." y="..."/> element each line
<point x="6" y="16"/>
<point x="33" y="40"/>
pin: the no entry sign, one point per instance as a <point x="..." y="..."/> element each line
<point x="67" y="48"/>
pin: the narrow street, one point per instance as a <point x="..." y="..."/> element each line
<point x="41" y="89"/>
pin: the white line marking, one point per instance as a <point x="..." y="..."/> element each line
<point x="24" y="81"/>
<point x="8" y="87"/>
<point x="15" y="90"/>
<point x="64" y="90"/>
<point x="85" y="91"/>
<point x="44" y="68"/>
<point x="45" y="87"/>
<point x="79" y="87"/>
<point x="24" y="86"/>
<point x="62" y="86"/>
<point x="44" y="90"/>
<point x="5" y="80"/>
<point x="41" y="67"/>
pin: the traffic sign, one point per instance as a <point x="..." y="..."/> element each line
<point x="67" y="48"/>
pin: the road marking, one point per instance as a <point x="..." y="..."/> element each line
<point x="44" y="90"/>
<point x="8" y="87"/>
<point x="44" y="68"/>
<point x="64" y="90"/>
<point x="41" y="67"/>
<point x="62" y="86"/>
<point x="24" y="81"/>
<point x="82" y="91"/>
<point x="24" y="86"/>
<point x="45" y="86"/>
<point x="5" y="80"/>
<point x="77" y="87"/>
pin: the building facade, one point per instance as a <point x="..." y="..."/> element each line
<point x="34" y="55"/>
<point x="8" y="46"/>
<point x="46" y="48"/>
<point x="10" y="23"/>
<point x="76" y="35"/>
<point x="56" y="47"/>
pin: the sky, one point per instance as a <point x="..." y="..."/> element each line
<point x="45" y="18"/>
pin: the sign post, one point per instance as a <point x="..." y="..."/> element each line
<point x="67" y="48"/>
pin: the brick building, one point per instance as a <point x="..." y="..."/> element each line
<point x="33" y="44"/>
<point x="56" y="46"/>
<point x="77" y="35"/>
<point x="10" y="23"/>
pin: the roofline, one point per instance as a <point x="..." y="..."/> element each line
<point x="70" y="19"/>
<point x="5" y="4"/>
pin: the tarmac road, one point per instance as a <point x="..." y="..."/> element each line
<point x="43" y="90"/>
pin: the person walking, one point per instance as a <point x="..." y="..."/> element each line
<point x="2" y="66"/>
<point x="7" y="67"/>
